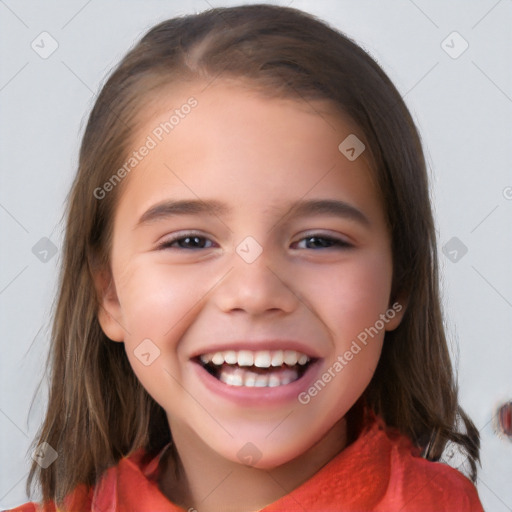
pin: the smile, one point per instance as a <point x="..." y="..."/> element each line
<point x="262" y="368"/>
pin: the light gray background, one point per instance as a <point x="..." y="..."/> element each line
<point x="463" y="107"/>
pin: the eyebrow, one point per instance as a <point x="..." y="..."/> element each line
<point x="301" y="208"/>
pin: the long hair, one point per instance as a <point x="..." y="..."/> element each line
<point x="97" y="410"/>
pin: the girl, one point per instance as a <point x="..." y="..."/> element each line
<point x="249" y="314"/>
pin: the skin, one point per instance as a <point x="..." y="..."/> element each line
<point x="257" y="156"/>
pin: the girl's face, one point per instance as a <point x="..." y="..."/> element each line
<point x="251" y="271"/>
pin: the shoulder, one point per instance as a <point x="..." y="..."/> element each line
<point x="130" y="481"/>
<point x="422" y="485"/>
<point x="438" y="485"/>
<point x="77" y="501"/>
<point x="32" y="507"/>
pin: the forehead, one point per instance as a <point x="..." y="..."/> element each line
<point x="224" y="102"/>
<point x="225" y="137"/>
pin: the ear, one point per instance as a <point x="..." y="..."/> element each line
<point x="109" y="310"/>
<point x="395" y="312"/>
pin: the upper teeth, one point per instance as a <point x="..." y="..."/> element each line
<point x="260" y="358"/>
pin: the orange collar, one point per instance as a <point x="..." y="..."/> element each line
<point x="381" y="471"/>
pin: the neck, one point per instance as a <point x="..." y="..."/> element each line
<point x="201" y="479"/>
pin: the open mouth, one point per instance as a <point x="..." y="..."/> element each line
<point x="262" y="368"/>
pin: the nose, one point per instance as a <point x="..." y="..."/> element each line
<point x="256" y="287"/>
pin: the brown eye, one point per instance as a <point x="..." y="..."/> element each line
<point x="322" y="242"/>
<point x="187" y="242"/>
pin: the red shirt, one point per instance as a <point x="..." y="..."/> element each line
<point x="381" y="471"/>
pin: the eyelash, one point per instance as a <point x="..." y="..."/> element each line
<point x="335" y="242"/>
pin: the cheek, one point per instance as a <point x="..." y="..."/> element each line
<point x="156" y="302"/>
<point x="355" y="296"/>
<point x="156" y="298"/>
<point x="350" y="297"/>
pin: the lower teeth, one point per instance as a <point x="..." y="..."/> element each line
<point x="236" y="376"/>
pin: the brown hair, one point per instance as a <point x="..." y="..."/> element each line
<point x="98" y="411"/>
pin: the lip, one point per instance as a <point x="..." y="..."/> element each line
<point x="255" y="345"/>
<point x="256" y="397"/>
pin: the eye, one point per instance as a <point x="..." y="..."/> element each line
<point x="322" y="242"/>
<point x="194" y="241"/>
<point x="189" y="241"/>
